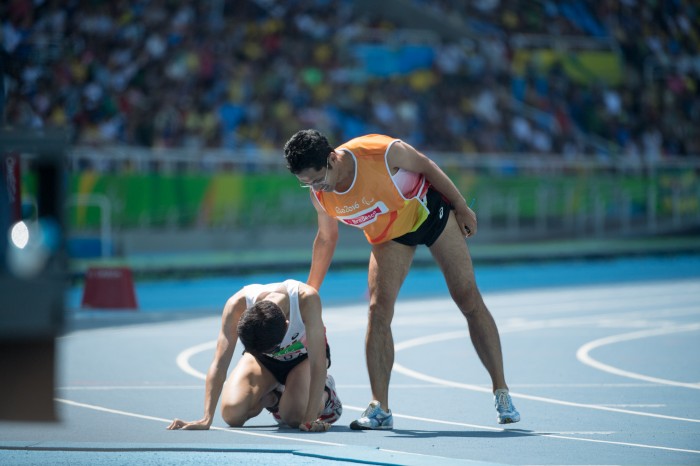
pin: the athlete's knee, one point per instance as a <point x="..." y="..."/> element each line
<point x="234" y="416"/>
<point x="380" y="314"/>
<point x="292" y="417"/>
<point x="469" y="301"/>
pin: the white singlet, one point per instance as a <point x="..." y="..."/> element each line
<point x="293" y="344"/>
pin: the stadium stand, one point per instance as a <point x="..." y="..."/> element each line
<point x="246" y="75"/>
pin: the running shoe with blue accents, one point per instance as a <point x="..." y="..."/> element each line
<point x="374" y="418"/>
<point x="507" y="414"/>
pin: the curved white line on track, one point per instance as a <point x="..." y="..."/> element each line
<point x="168" y="421"/>
<point x="448" y="383"/>
<point x="318" y="442"/>
<point x="183" y="362"/>
<point x="532" y="434"/>
<point x="183" y="359"/>
<point x="541" y="434"/>
<point x="583" y="353"/>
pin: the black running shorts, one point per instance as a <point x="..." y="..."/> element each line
<point x="431" y="228"/>
<point x="281" y="369"/>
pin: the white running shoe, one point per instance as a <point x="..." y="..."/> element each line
<point x="374" y="418"/>
<point x="507" y="414"/>
<point x="333" y="408"/>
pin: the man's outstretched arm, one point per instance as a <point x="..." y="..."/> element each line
<point x="324" y="246"/>
<point x="216" y="375"/>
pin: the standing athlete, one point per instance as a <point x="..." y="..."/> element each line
<point x="283" y="367"/>
<point x="400" y="199"/>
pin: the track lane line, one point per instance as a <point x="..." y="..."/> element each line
<point x="583" y="353"/>
<point x="168" y="421"/>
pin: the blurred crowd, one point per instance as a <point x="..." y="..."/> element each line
<point x="655" y="110"/>
<point x="248" y="74"/>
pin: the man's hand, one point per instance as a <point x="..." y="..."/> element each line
<point x="195" y="425"/>
<point x="315" y="426"/>
<point x="466" y="219"/>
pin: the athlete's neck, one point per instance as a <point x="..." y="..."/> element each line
<point x="345" y="164"/>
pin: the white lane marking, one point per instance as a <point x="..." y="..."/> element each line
<point x="183" y="359"/>
<point x="584" y="385"/>
<point x="531" y="433"/>
<point x="454" y="335"/>
<point x="233" y="430"/>
<point x="168" y="421"/>
<point x="634" y="319"/>
<point x="634" y="405"/>
<point x="201" y="387"/>
<point x="585" y="432"/>
<point x="434" y="338"/>
<point x="407" y="386"/>
<point x="629" y="320"/>
<point x="583" y="353"/>
<point x="599" y="317"/>
<point x="131" y="387"/>
<point x="183" y="362"/>
<point x="416" y="418"/>
<point x="552" y="301"/>
<point x="448" y="383"/>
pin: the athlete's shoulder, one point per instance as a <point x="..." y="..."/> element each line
<point x="293" y="281"/>
<point x="307" y="291"/>
<point x="302" y="289"/>
<point x="367" y="141"/>
<point x="254" y="288"/>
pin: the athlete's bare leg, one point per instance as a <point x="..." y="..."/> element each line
<point x="246" y="391"/>
<point x="296" y="395"/>
<point x="389" y="264"/>
<point x="452" y="255"/>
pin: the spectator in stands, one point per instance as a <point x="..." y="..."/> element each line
<point x="145" y="73"/>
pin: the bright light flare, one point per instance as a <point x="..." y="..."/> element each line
<point x="20" y="235"/>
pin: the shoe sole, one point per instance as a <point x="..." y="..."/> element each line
<point x="355" y="426"/>
<point x="508" y="420"/>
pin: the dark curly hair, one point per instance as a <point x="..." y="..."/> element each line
<point x="262" y="327"/>
<point x="308" y="148"/>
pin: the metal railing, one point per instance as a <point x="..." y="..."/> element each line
<point x="583" y="196"/>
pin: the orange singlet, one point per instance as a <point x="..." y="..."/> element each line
<point x="373" y="202"/>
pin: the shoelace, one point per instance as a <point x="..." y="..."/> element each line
<point x="371" y="410"/>
<point x="503" y="401"/>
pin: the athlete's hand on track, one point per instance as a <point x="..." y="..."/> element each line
<point x="195" y="425"/>
<point x="315" y="426"/>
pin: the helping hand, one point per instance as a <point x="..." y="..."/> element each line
<point x="466" y="219"/>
